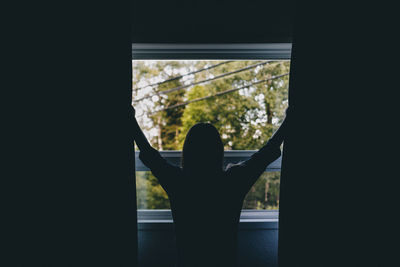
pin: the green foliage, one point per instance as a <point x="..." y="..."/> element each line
<point x="169" y="121"/>
<point x="245" y="119"/>
<point x="150" y="194"/>
<point x="265" y="192"/>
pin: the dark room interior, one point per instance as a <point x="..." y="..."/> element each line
<point x="80" y="194"/>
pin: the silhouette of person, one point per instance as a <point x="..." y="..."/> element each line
<point x="206" y="200"/>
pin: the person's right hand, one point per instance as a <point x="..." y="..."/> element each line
<point x="287" y="112"/>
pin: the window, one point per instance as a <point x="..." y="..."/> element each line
<point x="245" y="99"/>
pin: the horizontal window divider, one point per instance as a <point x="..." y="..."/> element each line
<point x="230" y="156"/>
<point x="239" y="51"/>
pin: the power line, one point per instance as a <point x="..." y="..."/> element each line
<point x="183" y="75"/>
<point x="219" y="93"/>
<point x="203" y="81"/>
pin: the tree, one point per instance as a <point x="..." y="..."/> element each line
<point x="169" y="121"/>
<point x="245" y="119"/>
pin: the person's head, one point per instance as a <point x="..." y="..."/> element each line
<point x="203" y="150"/>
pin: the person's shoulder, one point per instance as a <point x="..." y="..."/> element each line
<point x="176" y="170"/>
<point x="231" y="168"/>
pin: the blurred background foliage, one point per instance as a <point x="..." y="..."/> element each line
<point x="245" y="118"/>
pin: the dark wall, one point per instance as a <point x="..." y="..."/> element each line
<point x="334" y="94"/>
<point x="208" y="21"/>
<point x="258" y="244"/>
<point x="68" y="80"/>
<point x="72" y="197"/>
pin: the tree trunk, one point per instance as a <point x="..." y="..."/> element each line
<point x="266" y="191"/>
<point x="269" y="113"/>
<point x="159" y="139"/>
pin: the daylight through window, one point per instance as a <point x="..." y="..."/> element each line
<point x="244" y="100"/>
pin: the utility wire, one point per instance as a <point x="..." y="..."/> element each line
<point x="219" y="93"/>
<point x="203" y="81"/>
<point x="183" y="75"/>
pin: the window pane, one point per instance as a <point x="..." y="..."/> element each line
<point x="264" y="195"/>
<point x="150" y="194"/>
<point x="245" y="100"/>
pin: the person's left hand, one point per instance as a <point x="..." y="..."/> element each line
<point x="133" y="111"/>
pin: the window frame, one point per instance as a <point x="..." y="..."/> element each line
<point x="250" y="219"/>
<point x="268" y="51"/>
<point x="230" y="156"/>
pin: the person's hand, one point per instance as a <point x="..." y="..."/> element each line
<point x="287" y="112"/>
<point x="278" y="137"/>
<point x="286" y="119"/>
<point x="133" y="111"/>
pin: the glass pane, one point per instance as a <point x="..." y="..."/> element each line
<point x="244" y="99"/>
<point x="150" y="194"/>
<point x="264" y="195"/>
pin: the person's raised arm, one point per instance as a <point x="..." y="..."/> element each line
<point x="249" y="171"/>
<point x="270" y="151"/>
<point x="138" y="134"/>
<point x="277" y="138"/>
<point x="165" y="172"/>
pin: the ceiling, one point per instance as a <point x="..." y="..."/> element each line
<point x="206" y="21"/>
